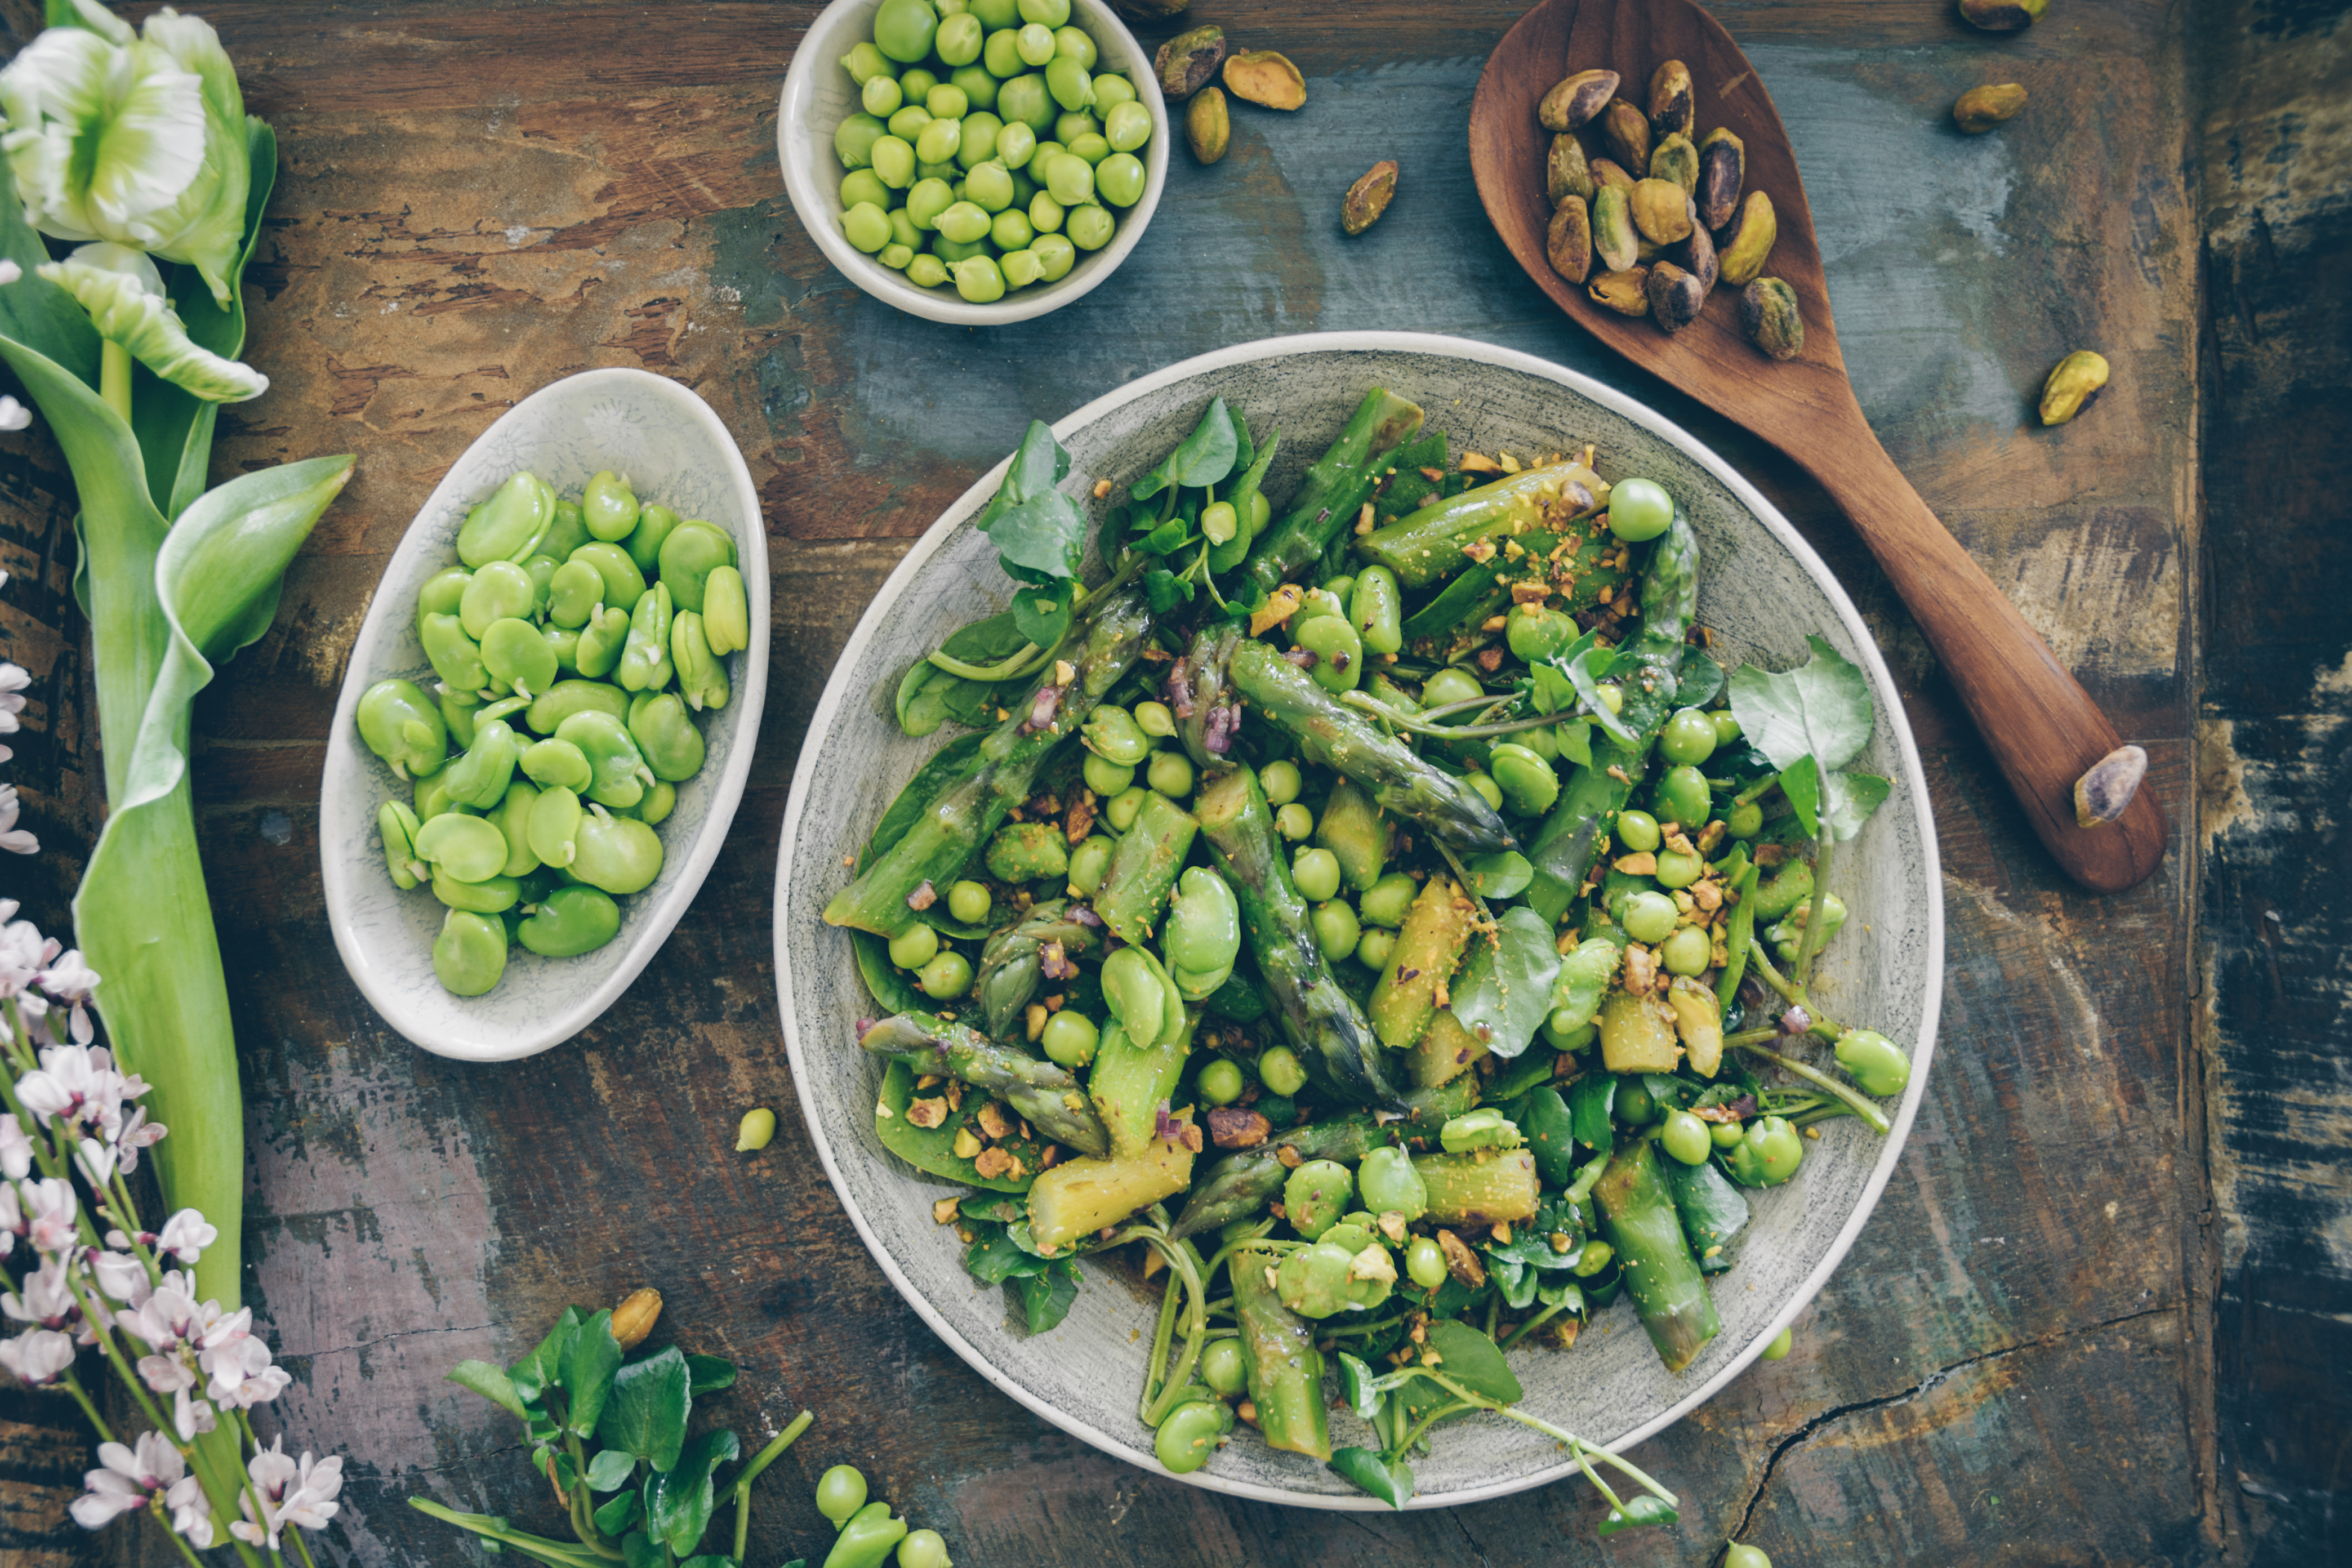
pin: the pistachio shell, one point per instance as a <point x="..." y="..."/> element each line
<point x="1672" y="112"/>
<point x="1150" y="10"/>
<point x="1612" y="231"/>
<point x="1983" y="108"/>
<point x="2105" y="792"/>
<point x="1565" y="171"/>
<point x="1625" y="291"/>
<point x="1722" y="168"/>
<point x="1627" y="131"/>
<point x="1568" y="241"/>
<point x="1576" y="99"/>
<point x="1769" y="315"/>
<point x="1264" y="77"/>
<point x="1369" y="197"/>
<point x="1189" y="61"/>
<point x="1675" y="159"/>
<point x="1207" y="125"/>
<point x="1661" y="210"/>
<point x="1745" y="244"/>
<point x="2072" y="385"/>
<point x="2002" y="15"/>
<point x="1609" y="172"/>
<point x="1675" y="297"/>
<point x="1699" y="257"/>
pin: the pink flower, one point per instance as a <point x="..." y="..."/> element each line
<point x="191" y="1516"/>
<point x="45" y="1300"/>
<point x="292" y="1491"/>
<point x="50" y="1208"/>
<point x="128" y="1478"/>
<point x="191" y="1416"/>
<point x="15" y="1153"/>
<point x="39" y="1358"/>
<point x="185" y="1234"/>
<point x="71" y="980"/>
<point x="121" y="1275"/>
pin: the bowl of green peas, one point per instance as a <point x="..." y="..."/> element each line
<point x="975" y="162"/>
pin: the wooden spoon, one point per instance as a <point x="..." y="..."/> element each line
<point x="2043" y="726"/>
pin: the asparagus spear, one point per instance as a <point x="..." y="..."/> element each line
<point x="961" y="820"/>
<point x="1242" y="1183"/>
<point x="1203" y="696"/>
<point x="1142" y="871"/>
<point x="1393" y="773"/>
<point x="1430" y="544"/>
<point x="1286" y="1370"/>
<point x="1013" y="963"/>
<point x="1318" y="1016"/>
<point x="1660" y="1274"/>
<point x="1562" y="850"/>
<point x="1334" y="491"/>
<point x="1047" y="1096"/>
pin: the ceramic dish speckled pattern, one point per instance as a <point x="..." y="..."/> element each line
<point x="1761" y="591"/>
<point x="674" y="450"/>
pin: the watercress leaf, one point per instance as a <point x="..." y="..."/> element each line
<point x="1038" y="464"/>
<point x="1203" y="458"/>
<point x="1801" y="781"/>
<point x="1589" y="1104"/>
<point x="1047" y="1298"/>
<point x="1471" y="1358"/>
<point x="709" y="1560"/>
<point x="990" y="641"/>
<point x="1243" y="450"/>
<point x="1820" y="710"/>
<point x="639" y="1549"/>
<point x="1503" y="875"/>
<point x="1360" y="1386"/>
<point x="678" y="1508"/>
<point x="708" y="1373"/>
<point x="1638" y="1512"/>
<point x="1046" y="536"/>
<point x="1850" y="798"/>
<point x="615" y="1516"/>
<point x="1505" y="990"/>
<point x="1550" y="1131"/>
<point x="610" y="1470"/>
<point x="1531" y="1242"/>
<point x="1584" y="673"/>
<point x="1043" y="615"/>
<point x="1698" y="679"/>
<point x="563" y="1471"/>
<point x="1390" y="1480"/>
<point x="1168" y="536"/>
<point x="1518" y="1078"/>
<point x="993" y="1256"/>
<point x="993" y="1206"/>
<point x="589" y="1361"/>
<point x="1575" y="742"/>
<point x="647" y="1413"/>
<point x="543" y="1366"/>
<point x="920" y="706"/>
<point x="885" y="980"/>
<point x="1558" y="1290"/>
<point x="1516" y="1281"/>
<point x="1166" y="591"/>
<point x="489" y="1383"/>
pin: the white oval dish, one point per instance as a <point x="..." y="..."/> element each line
<point x="1762" y="590"/>
<point x="674" y="450"/>
<point x="818" y="94"/>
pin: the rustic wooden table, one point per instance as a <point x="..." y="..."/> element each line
<point x="2017" y="1358"/>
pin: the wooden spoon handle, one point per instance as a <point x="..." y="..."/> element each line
<point x="2043" y="726"/>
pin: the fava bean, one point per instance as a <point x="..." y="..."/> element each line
<point x="403" y="727"/>
<point x="470" y="953"/>
<point x="1189" y="1432"/>
<point x="1089" y="863"/>
<point x="469" y="848"/>
<point x="618" y="854"/>
<point x="398" y="827"/>
<point x="507" y="526"/>
<point x="555" y="826"/>
<point x="569" y="921"/>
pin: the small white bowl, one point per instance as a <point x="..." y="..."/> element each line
<point x="818" y="95"/>
<point x="674" y="451"/>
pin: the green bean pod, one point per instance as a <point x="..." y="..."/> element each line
<point x="1144" y="867"/>
<point x="1393" y="773"/>
<point x="1736" y="941"/>
<point x="1332" y="492"/>
<point x="1318" y="1017"/>
<point x="1660" y="1276"/>
<point x="1429" y="545"/>
<point x="1284" y="1369"/>
<point x="1046" y="1096"/>
<point x="1563" y="848"/>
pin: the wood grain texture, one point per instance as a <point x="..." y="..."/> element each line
<point x="479" y="197"/>
<point x="2044" y="729"/>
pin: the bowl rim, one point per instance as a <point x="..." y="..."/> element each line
<point x="795" y="102"/>
<point x="748" y="698"/>
<point x="836" y="694"/>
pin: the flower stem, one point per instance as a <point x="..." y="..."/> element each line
<point x="1811" y="944"/>
<point x="164" y="1519"/>
<point x="114" y="377"/>
<point x="1825" y="1083"/>
<point x="760" y="1461"/>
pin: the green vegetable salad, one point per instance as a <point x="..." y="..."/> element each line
<point x="1382" y="908"/>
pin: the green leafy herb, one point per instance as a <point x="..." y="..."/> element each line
<point x="1039" y="533"/>
<point x="590" y="1361"/>
<point x="1503" y="875"/>
<point x="1205" y="457"/>
<point x="610" y="1470"/>
<point x="1589" y="1104"/>
<point x="678" y="1502"/>
<point x="1636" y="1512"/>
<point x="1042" y="615"/>
<point x="1166" y="591"/>
<point x="1047" y="1298"/>
<point x="708" y="1373"/>
<point x="489" y="1383"/>
<point x="647" y="1413"/>
<point x="1809" y="722"/>
<point x="1503" y="992"/>
<point x="1470" y="1359"/>
<point x="1698" y="679"/>
<point x="1390" y="1480"/>
<point x="993" y="1256"/>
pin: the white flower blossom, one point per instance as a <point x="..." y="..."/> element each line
<point x="13" y="416"/>
<point x="192" y="1515"/>
<point x="292" y="1491"/>
<point x="50" y="1208"/>
<point x="70" y="980"/>
<point x="190" y="1416"/>
<point x="121" y="1276"/>
<point x="96" y="1160"/>
<point x="15" y="1155"/>
<point x="13" y="838"/>
<point x="45" y="1300"/>
<point x="9" y="273"/>
<point x="14" y="1226"/>
<point x="185" y="1236"/>
<point x="127" y="1478"/>
<point x="39" y="1358"/>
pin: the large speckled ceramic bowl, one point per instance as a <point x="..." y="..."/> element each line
<point x="1762" y="590"/>
<point x="674" y="450"/>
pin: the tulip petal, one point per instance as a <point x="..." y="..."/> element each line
<point x="124" y="296"/>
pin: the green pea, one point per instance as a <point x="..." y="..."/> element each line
<point x="1069" y="1039"/>
<point x="840" y="1493"/>
<point x="1055" y="254"/>
<point x="1089" y="227"/>
<point x="1047" y="12"/>
<point x="945" y="977"/>
<point x="1220" y="1083"/>
<point x="618" y="854"/>
<point x="1373" y="948"/>
<point x="867" y="227"/>
<point x="978" y="86"/>
<point x="1316" y="1195"/>
<point x="924" y="1548"/>
<point x="1314" y="872"/>
<point x="1878" y="1068"/>
<point x="1190" y="1434"/>
<point x="1637" y="831"/>
<point x="480" y="777"/>
<point x="1294" y="822"/>
<point x="469" y="848"/>
<point x="1120" y="179"/>
<point x="863" y="62"/>
<point x="1687" y="951"/>
<point x="1425" y="1263"/>
<point x="1525" y="779"/>
<point x="1126" y="126"/>
<point x="1221" y="1366"/>
<point x="1634" y="1105"/>
<point x="979" y="279"/>
<point x="554" y="827"/>
<point x="969" y="902"/>
<point x="1024" y="98"/>
<point x="1280" y="1071"/>
<point x="903" y="29"/>
<point x="1111" y="90"/>
<point x="940" y="142"/>
<point x="403" y="727"/>
<point x="926" y="271"/>
<point x="1391" y="1185"/>
<point x="1336" y="931"/>
<point x="1033" y="44"/>
<point x="947" y="101"/>
<point x="514" y="652"/>
<point x="1687" y="738"/>
<point x="1536" y="634"/>
<point x="1068" y="81"/>
<point x="1281" y="781"/>
<point x="507" y="526"/>
<point x="1451" y="684"/>
<point x="914" y="947"/>
<point x="863" y="188"/>
<point x="1744" y="820"/>
<point x="1676" y="869"/>
<point x="1089" y="863"/>
<point x="1782" y="1344"/>
<point x="1120" y="809"/>
<point x="1649" y="917"/>
<point x="894" y="155"/>
<point x="1725" y="1134"/>
<point x="999" y="54"/>
<point x="1685" y="1137"/>
<point x="1203" y="930"/>
<point x="881" y="95"/>
<point x="1170" y="773"/>
<point x="959" y="39"/>
<point x="1595" y="1256"/>
<point x="1639" y="510"/>
<point x="1070" y="180"/>
<point x="565" y="698"/>
<point x="1683" y="797"/>
<point x="470" y="953"/>
<point x="689" y="556"/>
<point x="1010" y="232"/>
<point x="667" y="737"/>
<point x="1091" y="147"/>
<point x="1015" y="145"/>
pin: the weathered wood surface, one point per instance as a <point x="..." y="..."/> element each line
<point x="2017" y="1360"/>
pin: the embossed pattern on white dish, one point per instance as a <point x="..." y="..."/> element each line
<point x="1762" y="589"/>
<point x="674" y="450"/>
